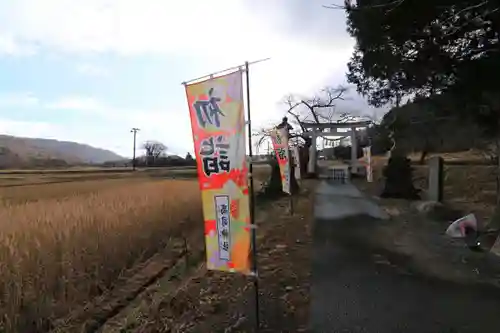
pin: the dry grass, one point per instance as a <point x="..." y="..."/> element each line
<point x="66" y="248"/>
<point x="470" y="156"/>
<point x="36" y="192"/>
<point x="9" y="180"/>
<point x="462" y="157"/>
<point x="29" y="177"/>
<point x="469" y="188"/>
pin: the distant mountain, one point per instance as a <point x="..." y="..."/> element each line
<point x="27" y="152"/>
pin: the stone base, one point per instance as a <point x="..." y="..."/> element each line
<point x="409" y="194"/>
<point x="436" y="210"/>
<point x="496" y="247"/>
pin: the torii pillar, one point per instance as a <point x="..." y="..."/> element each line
<point x="354" y="150"/>
<point x="311" y="166"/>
<point x="317" y="129"/>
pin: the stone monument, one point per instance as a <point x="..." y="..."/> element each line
<point x="436" y="177"/>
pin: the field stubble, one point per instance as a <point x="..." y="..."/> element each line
<point x="71" y="244"/>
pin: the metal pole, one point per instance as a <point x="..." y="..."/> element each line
<point x="133" y="158"/>
<point x="290" y="163"/>
<point x="252" y="204"/>
<point x="290" y="166"/>
<point x="134" y="130"/>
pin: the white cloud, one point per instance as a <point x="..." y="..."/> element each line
<point x="26" y="128"/>
<point x="86" y="105"/>
<point x="217" y="33"/>
<point x="92" y="70"/>
<point x="155" y="124"/>
<point x="18" y="99"/>
<point x="131" y="27"/>
<point x="76" y="103"/>
<point x="217" y="28"/>
<point x="12" y="47"/>
<point x="212" y="35"/>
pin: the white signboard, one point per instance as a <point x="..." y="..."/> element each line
<point x="223" y="226"/>
<point x="296" y="161"/>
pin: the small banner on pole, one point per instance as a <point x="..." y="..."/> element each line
<point x="367" y="159"/>
<point x="218" y="125"/>
<point x="280" y="145"/>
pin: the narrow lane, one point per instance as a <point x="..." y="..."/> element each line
<point x="356" y="289"/>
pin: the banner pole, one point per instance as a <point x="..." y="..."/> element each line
<point x="210" y="76"/>
<point x="290" y="175"/>
<point x="252" y="204"/>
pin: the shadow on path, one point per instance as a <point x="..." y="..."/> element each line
<point x="357" y="287"/>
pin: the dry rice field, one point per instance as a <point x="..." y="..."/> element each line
<point x="62" y="245"/>
<point x="66" y="242"/>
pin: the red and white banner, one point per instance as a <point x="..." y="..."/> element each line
<point x="218" y="125"/>
<point x="279" y="138"/>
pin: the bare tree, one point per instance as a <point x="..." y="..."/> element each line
<point x="320" y="108"/>
<point x="317" y="109"/>
<point x="153" y="149"/>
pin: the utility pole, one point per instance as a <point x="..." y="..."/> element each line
<point x="134" y="130"/>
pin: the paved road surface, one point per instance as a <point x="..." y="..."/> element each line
<point x="354" y="289"/>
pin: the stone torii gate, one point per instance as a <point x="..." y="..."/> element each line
<point x="332" y="129"/>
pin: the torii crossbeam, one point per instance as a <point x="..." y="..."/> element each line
<point x="318" y="129"/>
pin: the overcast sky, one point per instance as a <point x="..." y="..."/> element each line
<point x="88" y="71"/>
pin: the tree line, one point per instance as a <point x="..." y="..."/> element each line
<point x="155" y="155"/>
<point x="435" y="59"/>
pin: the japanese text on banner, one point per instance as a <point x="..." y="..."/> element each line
<point x="279" y="138"/>
<point x="218" y="125"/>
